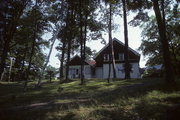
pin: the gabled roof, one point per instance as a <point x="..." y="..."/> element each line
<point x="115" y="39"/>
<point x="90" y="62"/>
<point x="74" y="57"/>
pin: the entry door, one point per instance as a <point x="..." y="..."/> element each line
<point x="77" y="73"/>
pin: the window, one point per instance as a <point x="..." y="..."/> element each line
<point x="121" y="56"/>
<point x="77" y="71"/>
<point x="106" y="57"/>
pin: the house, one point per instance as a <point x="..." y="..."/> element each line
<point x="100" y="67"/>
<point x="153" y="71"/>
<point x="156" y="67"/>
<point x="75" y="68"/>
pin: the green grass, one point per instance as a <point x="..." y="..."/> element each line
<point x="146" y="99"/>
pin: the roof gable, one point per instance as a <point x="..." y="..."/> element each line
<point x="121" y="43"/>
<point x="136" y="53"/>
<point x="76" y="60"/>
<point x="119" y="48"/>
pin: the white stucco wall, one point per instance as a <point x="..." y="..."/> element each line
<point x="135" y="70"/>
<point x="120" y="72"/>
<point x="88" y="72"/>
<point x="103" y="72"/>
<point x="99" y="72"/>
<point x="72" y="71"/>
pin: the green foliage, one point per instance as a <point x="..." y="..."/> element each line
<point x="51" y="68"/>
<point x="21" y="45"/>
<point x="50" y="71"/>
<point x="151" y="45"/>
<point x="153" y="73"/>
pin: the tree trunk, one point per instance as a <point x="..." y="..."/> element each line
<point x="84" y="49"/>
<point x="126" y="54"/>
<point x="23" y="64"/>
<point x="68" y="59"/>
<point x="112" y="45"/>
<point x="6" y="48"/>
<point x="30" y="62"/>
<point x="62" y="60"/>
<point x="169" y="72"/>
<point x="32" y="48"/>
<point x="10" y="69"/>
<point x="81" y="43"/>
<point x="4" y="56"/>
<point x="69" y="37"/>
<point x="53" y="39"/>
<point x="50" y="78"/>
<point x="111" y="55"/>
<point x="109" y="74"/>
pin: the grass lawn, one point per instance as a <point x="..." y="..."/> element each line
<point x="135" y="99"/>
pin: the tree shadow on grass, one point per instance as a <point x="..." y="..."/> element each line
<point x="146" y="107"/>
<point x="113" y="114"/>
<point x="40" y="110"/>
<point x="135" y="90"/>
<point x="143" y="110"/>
<point x="110" y="96"/>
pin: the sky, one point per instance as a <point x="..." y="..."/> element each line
<point x="134" y="35"/>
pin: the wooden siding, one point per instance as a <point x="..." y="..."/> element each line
<point x="118" y="48"/>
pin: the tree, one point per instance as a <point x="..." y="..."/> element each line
<point x="20" y="47"/>
<point x="62" y="56"/>
<point x="89" y="28"/>
<point x="53" y="13"/>
<point x="53" y="39"/>
<point x="88" y="53"/>
<point x="160" y="19"/>
<point x="151" y="45"/>
<point x="15" y="10"/>
<point x="50" y="71"/>
<point x="33" y="44"/>
<point x="69" y="38"/>
<point x="39" y="25"/>
<point x="68" y="35"/>
<point x="111" y="52"/>
<point x="81" y="41"/>
<point x="3" y="12"/>
<point x="78" y="23"/>
<point x="165" y="45"/>
<point x="126" y="55"/>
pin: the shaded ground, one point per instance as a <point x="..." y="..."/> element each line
<point x="97" y="100"/>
